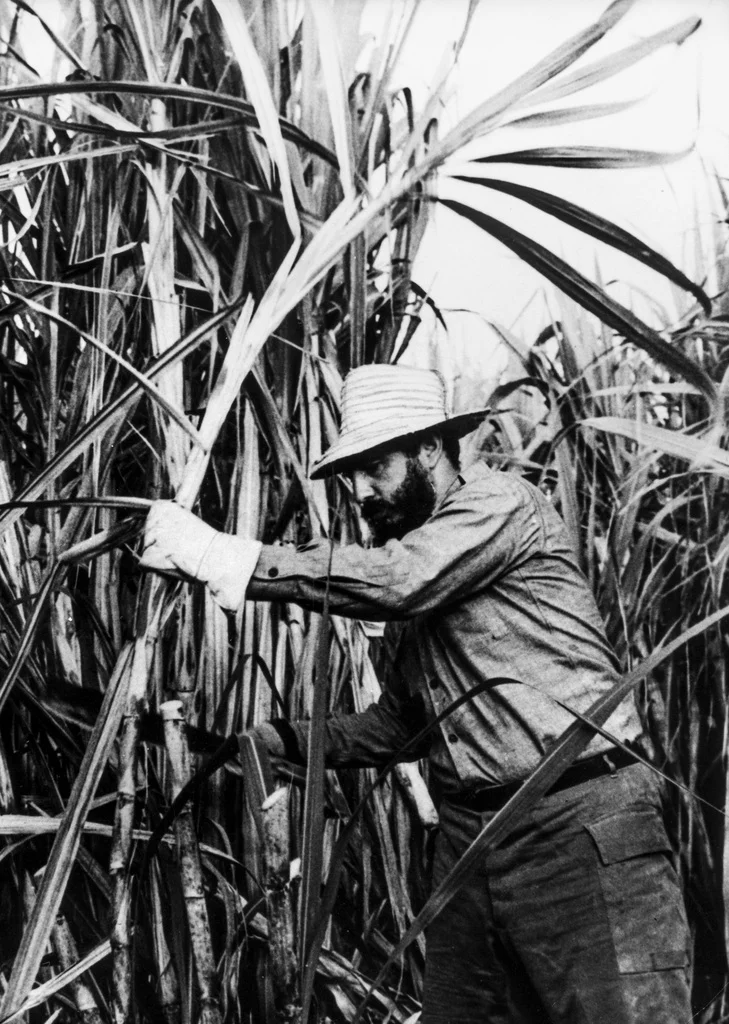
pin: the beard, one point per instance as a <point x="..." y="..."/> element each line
<point x="407" y="509"/>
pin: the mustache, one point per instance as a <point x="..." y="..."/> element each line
<point x="372" y="507"/>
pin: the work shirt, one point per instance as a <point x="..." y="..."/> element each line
<point x="487" y="589"/>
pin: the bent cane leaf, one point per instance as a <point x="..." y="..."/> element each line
<point x="116" y="409"/>
<point x="597" y="227"/>
<point x="588" y="295"/>
<point x="171" y="91"/>
<point x="614" y="63"/>
<point x="63" y="853"/>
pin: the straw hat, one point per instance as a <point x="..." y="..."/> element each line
<point x="382" y="403"/>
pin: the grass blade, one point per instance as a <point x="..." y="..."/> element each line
<point x="589" y="296"/>
<point x="703" y="455"/>
<point x="585" y="157"/>
<point x="58" y="869"/>
<point x="595" y="226"/>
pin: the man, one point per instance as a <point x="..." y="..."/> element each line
<point x="577" y="917"/>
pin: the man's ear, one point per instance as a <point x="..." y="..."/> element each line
<point x="431" y="449"/>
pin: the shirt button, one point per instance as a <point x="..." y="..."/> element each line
<point x="273" y="571"/>
<point x="453" y="738"/>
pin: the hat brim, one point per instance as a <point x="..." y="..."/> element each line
<point x="341" y="458"/>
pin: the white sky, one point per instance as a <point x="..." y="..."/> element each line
<point x="685" y="103"/>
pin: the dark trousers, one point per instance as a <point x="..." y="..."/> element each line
<point x="577" y="918"/>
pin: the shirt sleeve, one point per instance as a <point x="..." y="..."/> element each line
<point x="370" y="738"/>
<point x="483" y="530"/>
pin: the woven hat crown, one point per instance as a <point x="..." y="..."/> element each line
<point x="392" y="398"/>
<point x="383" y="403"/>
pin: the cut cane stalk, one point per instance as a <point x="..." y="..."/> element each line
<point x="122" y="837"/>
<point x="417" y="793"/>
<point x="169" y="990"/>
<point x="193" y="891"/>
<point x="282" y="942"/>
<point x="64" y="946"/>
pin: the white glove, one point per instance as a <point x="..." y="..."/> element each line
<point x="176" y="541"/>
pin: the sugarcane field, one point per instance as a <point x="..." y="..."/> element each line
<point x="364" y="524"/>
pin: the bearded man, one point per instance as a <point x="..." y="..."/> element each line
<point x="577" y="917"/>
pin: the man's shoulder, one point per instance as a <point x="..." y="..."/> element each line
<point x="479" y="480"/>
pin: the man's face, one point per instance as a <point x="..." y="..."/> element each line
<point x="395" y="493"/>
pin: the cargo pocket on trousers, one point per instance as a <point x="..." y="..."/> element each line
<point x="642" y="892"/>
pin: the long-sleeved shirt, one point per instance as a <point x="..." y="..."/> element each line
<point x="487" y="588"/>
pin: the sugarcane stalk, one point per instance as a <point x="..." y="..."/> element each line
<point x="281" y="943"/>
<point x="188" y="850"/>
<point x="169" y="989"/>
<point x="122" y="834"/>
<point x="66" y="952"/>
<point x="238" y="361"/>
<point x="417" y="793"/>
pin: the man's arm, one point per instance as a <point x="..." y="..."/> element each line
<point x="367" y="739"/>
<point x="467" y="544"/>
<point x="478" y="533"/>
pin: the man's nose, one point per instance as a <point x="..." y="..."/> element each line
<point x="362" y="486"/>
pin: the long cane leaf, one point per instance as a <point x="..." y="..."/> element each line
<point x="703" y="455"/>
<point x="597" y="227"/>
<point x="585" y="157"/>
<point x="614" y="63"/>
<point x="588" y="295"/>
<point x="114" y="411"/>
<point x="61" y="861"/>
<point x="182" y="92"/>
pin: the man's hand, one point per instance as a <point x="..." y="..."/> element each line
<point x="270" y="738"/>
<point x="177" y="542"/>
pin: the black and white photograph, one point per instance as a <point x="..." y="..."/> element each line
<point x="364" y="516"/>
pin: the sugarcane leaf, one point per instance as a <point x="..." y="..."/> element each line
<point x="585" y="157"/>
<point x="527" y="84"/>
<point x="569" y="115"/>
<point x="703" y="455"/>
<point x="45" y="991"/>
<point x="323" y="15"/>
<point x="349" y="220"/>
<point x="616" y="742"/>
<point x="589" y="296"/>
<point x="258" y="90"/>
<point x="114" y="411"/>
<point x="597" y="227"/>
<point x="57" y="40"/>
<point x="504" y="390"/>
<point x="147" y="386"/>
<point x="166" y="90"/>
<point x="614" y="63"/>
<point x="63" y="853"/>
<point x="110" y="501"/>
<point x="28" y="634"/>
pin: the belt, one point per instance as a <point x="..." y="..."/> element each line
<point x="492" y="798"/>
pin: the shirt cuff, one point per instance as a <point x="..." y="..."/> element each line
<point x="227" y="567"/>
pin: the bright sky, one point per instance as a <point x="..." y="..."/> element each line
<point x="684" y="90"/>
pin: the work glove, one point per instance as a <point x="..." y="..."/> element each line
<point x="177" y="542"/>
